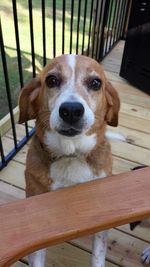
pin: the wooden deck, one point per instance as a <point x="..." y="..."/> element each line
<point x="124" y="246"/>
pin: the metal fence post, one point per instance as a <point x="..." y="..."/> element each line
<point x="106" y="10"/>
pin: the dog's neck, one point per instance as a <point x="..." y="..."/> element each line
<point x="53" y="156"/>
<point x="64" y="146"/>
<point x="57" y="146"/>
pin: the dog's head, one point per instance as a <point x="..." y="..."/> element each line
<point x="71" y="96"/>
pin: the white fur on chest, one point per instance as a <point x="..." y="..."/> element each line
<point x="70" y="171"/>
<point x="60" y="145"/>
<point x="71" y="168"/>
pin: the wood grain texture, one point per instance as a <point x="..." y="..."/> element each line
<point x="49" y="219"/>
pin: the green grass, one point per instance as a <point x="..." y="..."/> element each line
<point x="25" y="45"/>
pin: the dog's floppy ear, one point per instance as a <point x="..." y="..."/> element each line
<point x="27" y="98"/>
<point x="113" y="103"/>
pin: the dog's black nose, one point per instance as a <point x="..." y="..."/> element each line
<point x="71" y="112"/>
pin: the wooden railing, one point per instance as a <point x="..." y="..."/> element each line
<point x="48" y="219"/>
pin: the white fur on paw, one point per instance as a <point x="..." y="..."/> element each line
<point x="146" y="255"/>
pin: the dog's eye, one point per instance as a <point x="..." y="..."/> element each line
<point x="52" y="81"/>
<point x="94" y="84"/>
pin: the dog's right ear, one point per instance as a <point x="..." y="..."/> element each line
<point x="27" y="100"/>
<point x="113" y="105"/>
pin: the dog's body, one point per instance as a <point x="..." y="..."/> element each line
<point x="72" y="102"/>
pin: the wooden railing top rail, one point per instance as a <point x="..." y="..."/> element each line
<point x="40" y="221"/>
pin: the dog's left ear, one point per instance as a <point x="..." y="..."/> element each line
<point x="113" y="105"/>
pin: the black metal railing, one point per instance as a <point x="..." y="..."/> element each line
<point x="39" y="30"/>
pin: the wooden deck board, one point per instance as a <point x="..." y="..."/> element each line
<point x="131" y="152"/>
<point x="14" y="174"/>
<point x="129" y="95"/>
<point x="19" y="264"/>
<point x="135" y="123"/>
<point x="136" y="111"/>
<point x="123" y="249"/>
<point x="142" y="233"/>
<point x="9" y="193"/>
<point x="122" y="165"/>
<point x="124" y="246"/>
<point x="133" y="136"/>
<point x="67" y="255"/>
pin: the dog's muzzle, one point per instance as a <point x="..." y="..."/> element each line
<point x="71" y="113"/>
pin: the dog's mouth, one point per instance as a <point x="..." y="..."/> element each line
<point x="69" y="132"/>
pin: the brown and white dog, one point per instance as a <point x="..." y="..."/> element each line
<point x="72" y="102"/>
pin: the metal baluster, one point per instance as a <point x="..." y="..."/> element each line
<point x="63" y="26"/>
<point x="54" y="28"/>
<point x="78" y="26"/>
<point x="90" y="26"/>
<point x="84" y="23"/>
<point x="18" y="52"/>
<point x="32" y="37"/>
<point x="4" y="62"/>
<point x="43" y="32"/>
<point x="71" y="24"/>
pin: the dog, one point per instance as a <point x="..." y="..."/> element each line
<point x="72" y="102"/>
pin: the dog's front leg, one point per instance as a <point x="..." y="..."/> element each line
<point x="37" y="258"/>
<point x="99" y="247"/>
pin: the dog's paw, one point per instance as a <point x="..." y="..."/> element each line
<point x="146" y="255"/>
